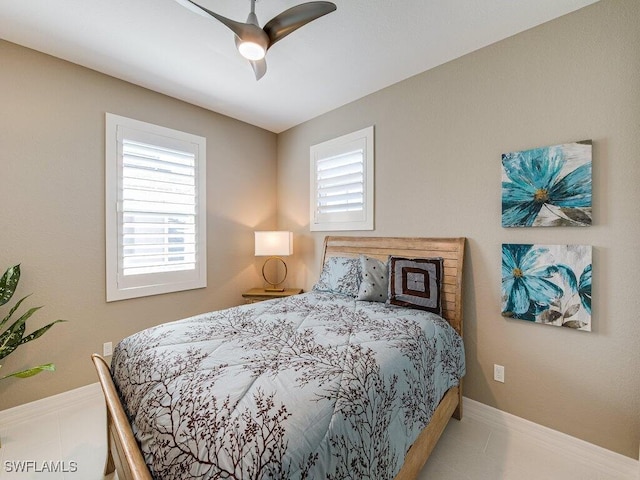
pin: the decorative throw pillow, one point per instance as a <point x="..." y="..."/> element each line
<point x="374" y="284"/>
<point x="340" y="275"/>
<point x="416" y="283"/>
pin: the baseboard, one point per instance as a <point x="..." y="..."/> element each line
<point x="88" y="394"/>
<point x="584" y="452"/>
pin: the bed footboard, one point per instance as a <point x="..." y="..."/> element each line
<point x="123" y="453"/>
<point x="421" y="449"/>
<point x="124" y="456"/>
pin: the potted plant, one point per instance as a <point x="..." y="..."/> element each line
<point x="12" y="336"/>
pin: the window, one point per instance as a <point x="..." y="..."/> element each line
<point x="155" y="209"/>
<point x="342" y="183"/>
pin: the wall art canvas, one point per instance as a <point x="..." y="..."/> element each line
<point x="548" y="186"/>
<point x="548" y="284"/>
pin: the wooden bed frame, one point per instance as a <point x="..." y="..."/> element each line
<point x="452" y="250"/>
<point x="123" y="452"/>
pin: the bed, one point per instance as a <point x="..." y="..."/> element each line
<point x="320" y="385"/>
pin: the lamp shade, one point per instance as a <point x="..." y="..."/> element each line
<point x="274" y="243"/>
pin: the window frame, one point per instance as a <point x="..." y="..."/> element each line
<point x="119" y="286"/>
<point x="335" y="147"/>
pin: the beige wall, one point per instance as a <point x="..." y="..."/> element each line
<point x="439" y="137"/>
<point x="52" y="210"/>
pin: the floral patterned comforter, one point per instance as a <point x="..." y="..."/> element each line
<point x="314" y="386"/>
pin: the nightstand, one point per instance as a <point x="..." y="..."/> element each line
<point x="259" y="294"/>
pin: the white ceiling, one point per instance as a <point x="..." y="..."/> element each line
<point x="362" y="47"/>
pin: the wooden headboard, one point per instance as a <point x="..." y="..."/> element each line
<point x="451" y="249"/>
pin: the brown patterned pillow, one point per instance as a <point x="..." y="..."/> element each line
<point x="416" y="283"/>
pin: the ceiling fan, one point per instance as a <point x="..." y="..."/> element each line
<point x="252" y="41"/>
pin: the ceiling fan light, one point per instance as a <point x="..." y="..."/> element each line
<point x="251" y="51"/>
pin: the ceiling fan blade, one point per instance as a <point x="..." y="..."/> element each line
<point x="259" y="67"/>
<point x="290" y="20"/>
<point x="193" y="7"/>
<point x="239" y="28"/>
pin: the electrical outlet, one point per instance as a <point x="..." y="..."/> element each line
<point x="498" y="373"/>
<point x="107" y="349"/>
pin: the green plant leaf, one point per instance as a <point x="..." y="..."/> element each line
<point x="10" y="339"/>
<point x="30" y="372"/>
<point x="15" y="307"/>
<point x="39" y="332"/>
<point x="8" y="283"/>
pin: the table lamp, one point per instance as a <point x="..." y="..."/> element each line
<point x="274" y="244"/>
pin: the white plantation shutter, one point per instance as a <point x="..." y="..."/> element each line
<point x="342" y="183"/>
<point x="156" y="236"/>
<point x="157" y="219"/>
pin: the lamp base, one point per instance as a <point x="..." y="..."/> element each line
<point x="274" y="286"/>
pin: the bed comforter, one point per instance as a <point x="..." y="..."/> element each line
<point x="314" y="386"/>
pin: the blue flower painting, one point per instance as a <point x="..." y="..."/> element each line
<point x="548" y="284"/>
<point x="547" y="187"/>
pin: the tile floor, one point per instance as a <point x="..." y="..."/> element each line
<point x="471" y="450"/>
<point x="74" y="439"/>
